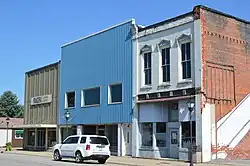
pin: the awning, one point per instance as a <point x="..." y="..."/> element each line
<point x="36" y="126"/>
<point x="165" y="99"/>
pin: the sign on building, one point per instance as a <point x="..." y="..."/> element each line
<point x="41" y="99"/>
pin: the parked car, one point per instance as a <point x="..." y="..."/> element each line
<point x="83" y="147"/>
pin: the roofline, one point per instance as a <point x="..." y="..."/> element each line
<point x="222" y="13"/>
<point x="166" y="21"/>
<point x="96" y="33"/>
<point x="43" y="67"/>
<point x="191" y="13"/>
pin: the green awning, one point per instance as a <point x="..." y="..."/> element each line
<point x="19" y="131"/>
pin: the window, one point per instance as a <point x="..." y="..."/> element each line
<point x="173" y="112"/>
<point x="147" y="134"/>
<point x="18" y="134"/>
<point x="99" y="140"/>
<point x="186" y="136"/>
<point x="147" y="68"/>
<point x="161" y="134"/>
<point x="115" y="93"/>
<point x="83" y="140"/>
<point x="165" y="61"/>
<point x="91" y="97"/>
<point x="186" y="60"/>
<point x="71" y="140"/>
<point x="70" y="100"/>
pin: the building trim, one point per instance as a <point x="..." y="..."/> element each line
<point x="36" y="126"/>
<point x="96" y="33"/>
<point x="43" y="67"/>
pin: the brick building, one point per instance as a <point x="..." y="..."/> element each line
<point x="202" y="57"/>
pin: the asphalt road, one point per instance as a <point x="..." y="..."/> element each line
<point x="24" y="160"/>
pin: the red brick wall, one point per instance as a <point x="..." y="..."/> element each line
<point x="225" y="64"/>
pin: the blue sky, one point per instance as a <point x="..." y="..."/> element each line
<point x="31" y="32"/>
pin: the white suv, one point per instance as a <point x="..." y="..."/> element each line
<point x="83" y="147"/>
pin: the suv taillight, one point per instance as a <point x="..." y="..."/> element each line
<point x="87" y="147"/>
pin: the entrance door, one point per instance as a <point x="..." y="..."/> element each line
<point x="128" y="141"/>
<point x="174" y="143"/>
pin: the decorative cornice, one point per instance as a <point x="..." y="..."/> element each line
<point x="146" y="48"/>
<point x="184" y="37"/>
<point x="164" y="43"/>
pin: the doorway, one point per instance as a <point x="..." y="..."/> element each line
<point x="174" y="143"/>
<point x="128" y="140"/>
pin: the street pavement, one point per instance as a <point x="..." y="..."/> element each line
<point x="28" y="158"/>
<point x="25" y="160"/>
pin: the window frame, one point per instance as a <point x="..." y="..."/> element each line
<point x="110" y="95"/>
<point x="66" y="106"/>
<point x="159" y="133"/>
<point x="165" y="65"/>
<point x="186" y="60"/>
<point x="20" y="135"/>
<point x="92" y="105"/>
<point x="147" y="69"/>
<point x="170" y="110"/>
<point x="152" y="135"/>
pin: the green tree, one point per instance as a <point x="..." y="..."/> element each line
<point x="9" y="105"/>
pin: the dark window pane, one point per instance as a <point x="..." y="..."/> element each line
<point x="160" y="127"/>
<point x="188" y="51"/>
<point x="68" y="141"/>
<point x="149" y="60"/>
<point x="163" y="57"/>
<point x="116" y="93"/>
<point x="168" y="56"/>
<point x="184" y="68"/>
<point x="168" y="73"/>
<point x="145" y="61"/>
<point x="71" y="99"/>
<point x="92" y="96"/>
<point x="146" y="77"/>
<point x="83" y="140"/>
<point x="183" y="51"/>
<point x="164" y="74"/>
<point x="98" y="140"/>
<point x="74" y="140"/>
<point x="149" y="81"/>
<point x="188" y="69"/>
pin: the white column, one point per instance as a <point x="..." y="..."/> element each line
<point x="135" y="132"/>
<point x="154" y="138"/>
<point x="46" y="138"/>
<point x="198" y="121"/>
<point x="58" y="135"/>
<point x="121" y="141"/>
<point x="79" y="129"/>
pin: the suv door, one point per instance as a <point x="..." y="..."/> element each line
<point x="72" y="146"/>
<point x="65" y="147"/>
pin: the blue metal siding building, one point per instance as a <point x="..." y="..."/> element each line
<point x="98" y="60"/>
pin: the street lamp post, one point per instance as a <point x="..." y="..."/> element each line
<point x="191" y="108"/>
<point x="67" y="115"/>
<point x="7" y="122"/>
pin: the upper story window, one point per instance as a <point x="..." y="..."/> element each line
<point x="91" y="97"/>
<point x="165" y="53"/>
<point x="186" y="60"/>
<point x="115" y="93"/>
<point x="70" y="100"/>
<point x="147" y="68"/>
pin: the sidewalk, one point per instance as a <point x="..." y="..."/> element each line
<point x="127" y="161"/>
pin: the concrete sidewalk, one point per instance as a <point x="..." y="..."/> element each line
<point x="128" y="161"/>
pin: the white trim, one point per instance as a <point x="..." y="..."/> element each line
<point x="109" y="94"/>
<point x="96" y="33"/>
<point x="36" y="126"/>
<point x="92" y="105"/>
<point x="66" y="100"/>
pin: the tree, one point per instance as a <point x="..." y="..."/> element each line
<point x="9" y="105"/>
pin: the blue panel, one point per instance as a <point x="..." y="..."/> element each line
<point x="100" y="60"/>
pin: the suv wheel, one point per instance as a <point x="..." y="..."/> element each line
<point x="57" y="156"/>
<point x="102" y="161"/>
<point x="78" y="157"/>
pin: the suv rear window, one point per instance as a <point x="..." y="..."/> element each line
<point x="98" y="140"/>
<point x="83" y="140"/>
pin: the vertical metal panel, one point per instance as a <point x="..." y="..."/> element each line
<point x="99" y="60"/>
<point x="40" y="82"/>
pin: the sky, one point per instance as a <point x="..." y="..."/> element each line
<point x="33" y="31"/>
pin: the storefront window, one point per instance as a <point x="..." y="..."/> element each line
<point x="31" y="137"/>
<point x="186" y="136"/>
<point x="161" y="134"/>
<point x="147" y="134"/>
